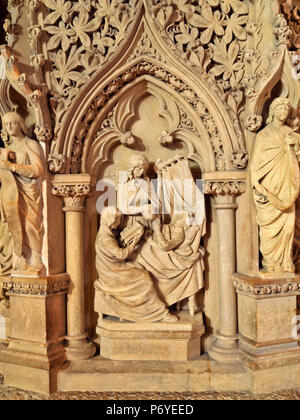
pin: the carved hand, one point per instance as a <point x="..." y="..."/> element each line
<point x="6" y="165"/>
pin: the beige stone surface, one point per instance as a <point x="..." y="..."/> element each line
<point x="22" y="169"/>
<point x="275" y="179"/>
<point x="155" y="341"/>
<point x="9" y="393"/>
<point x="209" y="81"/>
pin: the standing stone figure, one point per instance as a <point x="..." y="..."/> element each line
<point x="21" y="171"/>
<point x="275" y="181"/>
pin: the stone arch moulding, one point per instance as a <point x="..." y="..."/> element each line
<point x="112" y="125"/>
<point x="144" y="57"/>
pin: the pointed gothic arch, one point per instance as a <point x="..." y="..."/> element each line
<point x="143" y="56"/>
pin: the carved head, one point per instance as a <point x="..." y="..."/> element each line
<point x="13" y="124"/>
<point x="111" y="218"/>
<point x="280" y="108"/>
<point x="138" y="166"/>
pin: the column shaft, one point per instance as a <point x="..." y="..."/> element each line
<point x="74" y="257"/>
<point x="227" y="267"/>
<point x="74" y="189"/>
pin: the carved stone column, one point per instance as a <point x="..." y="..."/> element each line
<point x="225" y="186"/>
<point x="74" y="189"/>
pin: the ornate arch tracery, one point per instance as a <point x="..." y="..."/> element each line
<point x="143" y="57"/>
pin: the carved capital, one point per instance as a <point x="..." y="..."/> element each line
<point x="73" y="189"/>
<point x="224" y="188"/>
<point x="40" y="286"/>
<point x="258" y="288"/>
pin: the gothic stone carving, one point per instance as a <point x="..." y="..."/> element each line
<point x="275" y="180"/>
<point x="170" y="259"/>
<point x="22" y="167"/>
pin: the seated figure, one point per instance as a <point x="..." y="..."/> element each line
<point x="173" y="256"/>
<point x="123" y="290"/>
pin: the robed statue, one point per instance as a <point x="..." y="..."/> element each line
<point x="275" y="181"/>
<point x="21" y="171"/>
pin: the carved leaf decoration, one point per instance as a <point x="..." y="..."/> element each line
<point x="227" y="62"/>
<point x="61" y="34"/>
<point x="65" y="67"/>
<point x="235" y="26"/>
<point x="86" y="33"/>
<point x="167" y="16"/>
<point x="81" y="25"/>
<point x="237" y="6"/>
<point x="60" y="9"/>
<point x="212" y="21"/>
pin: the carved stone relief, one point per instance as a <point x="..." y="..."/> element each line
<point x="162" y="262"/>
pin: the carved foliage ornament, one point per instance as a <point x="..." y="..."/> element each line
<point x="210" y="35"/>
<point x="73" y="195"/>
<point x="224" y="188"/>
<point x="82" y="36"/>
<point x="291" y="10"/>
<point x="11" y="27"/>
<point x="36" y="289"/>
<point x="265" y="290"/>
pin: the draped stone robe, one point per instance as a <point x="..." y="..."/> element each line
<point x="122" y="290"/>
<point x="275" y="180"/>
<point x="21" y="197"/>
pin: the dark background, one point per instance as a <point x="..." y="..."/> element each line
<point x="3" y="13"/>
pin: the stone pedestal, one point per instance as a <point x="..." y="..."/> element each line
<point x="179" y="341"/>
<point x="35" y="348"/>
<point x="267" y="312"/>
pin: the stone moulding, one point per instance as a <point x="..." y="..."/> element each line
<point x="73" y="189"/>
<point x="42" y="286"/>
<point x="254" y="287"/>
<point x="224" y="183"/>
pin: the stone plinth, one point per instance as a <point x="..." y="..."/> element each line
<point x="266" y="311"/>
<point x="38" y="327"/>
<point x="179" y="341"/>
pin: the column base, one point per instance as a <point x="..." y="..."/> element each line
<point x="224" y="349"/>
<point x="79" y="348"/>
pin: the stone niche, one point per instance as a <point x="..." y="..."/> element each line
<point x="187" y="90"/>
